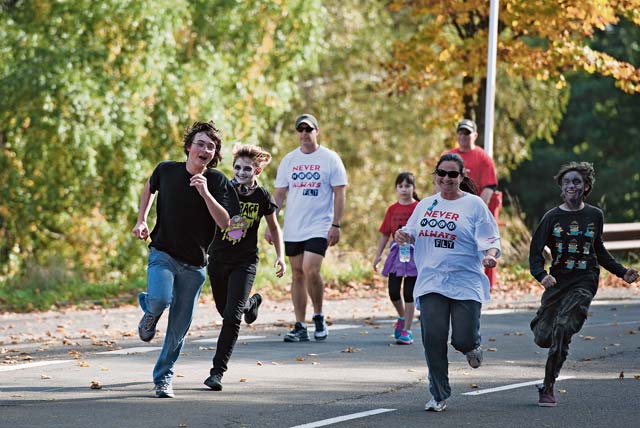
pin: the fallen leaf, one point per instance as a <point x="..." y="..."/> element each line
<point x="300" y="358"/>
<point x="179" y="375"/>
<point x="519" y="333"/>
<point x="259" y="363"/>
<point x="363" y="332"/>
<point x="95" y="385"/>
<point x="562" y="391"/>
<point x="244" y="379"/>
<point x="473" y="385"/>
<point x="492" y="349"/>
<point x="83" y="364"/>
<point x="351" y="350"/>
<point x="104" y="369"/>
<point x="588" y="338"/>
<point x="492" y="339"/>
<point x="44" y="376"/>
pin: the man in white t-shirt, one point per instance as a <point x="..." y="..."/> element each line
<point x="314" y="180"/>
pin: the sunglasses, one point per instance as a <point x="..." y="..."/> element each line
<point x="304" y="129"/>
<point x="451" y="174"/>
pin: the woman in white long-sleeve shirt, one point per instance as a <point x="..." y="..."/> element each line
<point x="455" y="237"/>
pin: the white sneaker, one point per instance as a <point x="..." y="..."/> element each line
<point x="435" y="406"/>
<point x="475" y="357"/>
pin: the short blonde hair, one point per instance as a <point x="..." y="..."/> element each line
<point x="259" y="157"/>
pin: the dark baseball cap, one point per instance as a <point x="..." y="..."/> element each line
<point x="467" y="124"/>
<point x="309" y="119"/>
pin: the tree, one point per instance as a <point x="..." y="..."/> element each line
<point x="540" y="41"/>
<point x="600" y="126"/>
<point x="93" y="95"/>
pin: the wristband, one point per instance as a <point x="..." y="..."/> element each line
<point x="335" y="225"/>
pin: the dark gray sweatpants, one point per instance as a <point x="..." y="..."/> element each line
<point x="436" y="312"/>
<point x="562" y="313"/>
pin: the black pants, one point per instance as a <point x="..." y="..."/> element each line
<point x="562" y="313"/>
<point x="230" y="285"/>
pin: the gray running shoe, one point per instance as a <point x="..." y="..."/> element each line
<point x="435" y="406"/>
<point x="474" y="358"/>
<point x="298" y="334"/>
<point x="147" y="327"/>
<point x="164" y="390"/>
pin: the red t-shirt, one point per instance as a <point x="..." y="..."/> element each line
<point x="396" y="217"/>
<point x="478" y="166"/>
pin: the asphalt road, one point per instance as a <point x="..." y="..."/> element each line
<point x="359" y="374"/>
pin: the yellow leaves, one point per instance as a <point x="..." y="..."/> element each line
<point x="83" y="364"/>
<point x="444" y="56"/>
<point x="351" y="350"/>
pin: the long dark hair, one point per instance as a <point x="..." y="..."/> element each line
<point x="409" y="178"/>
<point x="467" y="184"/>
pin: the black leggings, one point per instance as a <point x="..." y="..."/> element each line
<point x="231" y="285"/>
<point x="394" y="287"/>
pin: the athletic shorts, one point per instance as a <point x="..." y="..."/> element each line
<point x="313" y="245"/>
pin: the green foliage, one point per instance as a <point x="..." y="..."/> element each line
<point x="600" y="126"/>
<point x="94" y="95"/>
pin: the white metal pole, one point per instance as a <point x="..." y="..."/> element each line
<point x="491" y="78"/>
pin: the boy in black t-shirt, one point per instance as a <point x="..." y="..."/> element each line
<point x="573" y="233"/>
<point x="193" y="198"/>
<point x="234" y="256"/>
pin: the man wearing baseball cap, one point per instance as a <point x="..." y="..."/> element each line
<point x="480" y="168"/>
<point x="314" y="180"/>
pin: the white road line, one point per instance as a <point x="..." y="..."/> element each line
<point x="513" y="386"/>
<point x="29" y="365"/>
<point x="335" y="327"/>
<point x="215" y="339"/>
<point x="611" y="324"/>
<point x="129" y="351"/>
<point x="331" y="421"/>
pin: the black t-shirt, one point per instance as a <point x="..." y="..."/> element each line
<point x="575" y="241"/>
<point x="228" y="248"/>
<point x="184" y="227"/>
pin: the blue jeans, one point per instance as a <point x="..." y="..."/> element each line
<point x="175" y="284"/>
<point x="436" y="312"/>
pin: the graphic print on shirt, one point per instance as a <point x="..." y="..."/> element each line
<point x="574" y="242"/>
<point x="439" y="225"/>
<point x="307" y="177"/>
<point x="249" y="212"/>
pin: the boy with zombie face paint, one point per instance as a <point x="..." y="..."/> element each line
<point x="573" y="233"/>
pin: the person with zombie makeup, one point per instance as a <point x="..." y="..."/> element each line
<point x="454" y="237"/>
<point x="314" y="181"/>
<point x="234" y="256"/>
<point x="193" y="200"/>
<point x="573" y="233"/>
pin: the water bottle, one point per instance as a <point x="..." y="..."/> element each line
<point x="405" y="251"/>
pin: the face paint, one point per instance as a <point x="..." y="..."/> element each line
<point x="572" y="186"/>
<point x="244" y="172"/>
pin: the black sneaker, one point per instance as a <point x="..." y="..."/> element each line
<point x="251" y="313"/>
<point x="298" y="334"/>
<point x="147" y="327"/>
<point x="321" y="332"/>
<point x="214" y="382"/>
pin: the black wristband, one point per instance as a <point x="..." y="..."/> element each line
<point x="335" y="225"/>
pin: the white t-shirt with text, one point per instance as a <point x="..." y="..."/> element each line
<point x="309" y="178"/>
<point x="452" y="237"/>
